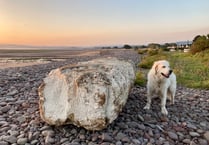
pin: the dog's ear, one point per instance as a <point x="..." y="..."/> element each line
<point x="155" y="66"/>
<point x="156" y="69"/>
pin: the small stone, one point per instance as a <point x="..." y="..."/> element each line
<point x="3" y="143"/>
<point x="125" y="139"/>
<point x="189" y="125"/>
<point x="200" y="131"/>
<point x="64" y="140"/>
<point x="22" y="141"/>
<point x="21" y="135"/>
<point x="160" y="128"/>
<point x="141" y="126"/>
<point x="73" y="131"/>
<point x="3" y="103"/>
<point x="132" y="124"/>
<point x="193" y="143"/>
<point x="94" y="137"/>
<point x="10" y="139"/>
<point x="76" y="141"/>
<point x="161" y="140"/>
<point x="203" y="124"/>
<point x="13" y="132"/>
<point x="5" y="109"/>
<point x="13" y="92"/>
<point x="178" y="128"/>
<point x="206" y="135"/>
<point x="30" y="135"/>
<point x="202" y="141"/>
<point x="194" y="134"/>
<point x="10" y="99"/>
<point x="82" y="137"/>
<point x="36" y="135"/>
<point x="49" y="140"/>
<point x="136" y="141"/>
<point x="106" y="137"/>
<point x="172" y="135"/>
<point x="153" y="126"/>
<point x="150" y="132"/>
<point x="122" y="125"/>
<point x="47" y="133"/>
<point x="187" y="141"/>
<point x="164" y="118"/>
<point x="120" y="136"/>
<point x="105" y="143"/>
<point x="118" y="143"/>
<point x="21" y="119"/>
<point x="140" y="118"/>
<point x="180" y="135"/>
<point x="34" y="142"/>
<point x="3" y="123"/>
<point x="4" y="128"/>
<point x="25" y="105"/>
<point x="45" y="128"/>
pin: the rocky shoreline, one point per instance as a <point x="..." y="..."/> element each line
<point x="20" y="123"/>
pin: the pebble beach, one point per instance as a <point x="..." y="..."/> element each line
<point x="20" y="124"/>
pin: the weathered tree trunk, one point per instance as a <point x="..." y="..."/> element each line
<point x="89" y="94"/>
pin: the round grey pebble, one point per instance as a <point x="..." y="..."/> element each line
<point x="120" y="136"/>
<point x="206" y="135"/>
<point x="47" y="133"/>
<point x="49" y="140"/>
<point x="13" y="132"/>
<point x="106" y="137"/>
<point x="194" y="134"/>
<point x="34" y="142"/>
<point x="187" y="141"/>
<point x="10" y="139"/>
<point x="5" y="109"/>
<point x="22" y="141"/>
<point x="4" y="143"/>
<point x="173" y="135"/>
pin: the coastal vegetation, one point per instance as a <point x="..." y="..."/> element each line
<point x="191" y="68"/>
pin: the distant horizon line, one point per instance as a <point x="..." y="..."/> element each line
<point x="11" y="45"/>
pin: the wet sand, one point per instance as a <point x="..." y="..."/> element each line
<point x="21" y="58"/>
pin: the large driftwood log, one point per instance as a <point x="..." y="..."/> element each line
<point x="89" y="94"/>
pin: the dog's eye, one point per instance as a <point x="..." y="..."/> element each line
<point x="163" y="66"/>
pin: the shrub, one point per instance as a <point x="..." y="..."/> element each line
<point x="146" y="63"/>
<point x="126" y="46"/>
<point x="148" y="60"/>
<point x="140" y="79"/>
<point x="152" y="52"/>
<point x="142" y="51"/>
<point x="200" y="43"/>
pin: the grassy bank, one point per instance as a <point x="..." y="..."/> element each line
<point x="191" y="70"/>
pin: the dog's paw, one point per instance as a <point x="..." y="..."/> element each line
<point x="173" y="102"/>
<point x="147" y="107"/>
<point x="164" y="111"/>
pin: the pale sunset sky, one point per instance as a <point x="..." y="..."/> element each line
<point x="101" y="22"/>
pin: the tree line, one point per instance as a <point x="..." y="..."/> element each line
<point x="200" y="43"/>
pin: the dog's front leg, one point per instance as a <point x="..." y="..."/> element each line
<point x="149" y="100"/>
<point x="163" y="103"/>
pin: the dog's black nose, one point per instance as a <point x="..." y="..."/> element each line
<point x="170" y="71"/>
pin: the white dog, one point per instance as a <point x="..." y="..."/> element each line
<point x="161" y="81"/>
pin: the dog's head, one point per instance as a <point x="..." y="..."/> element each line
<point x="162" y="68"/>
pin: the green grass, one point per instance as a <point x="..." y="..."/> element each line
<point x="191" y="70"/>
